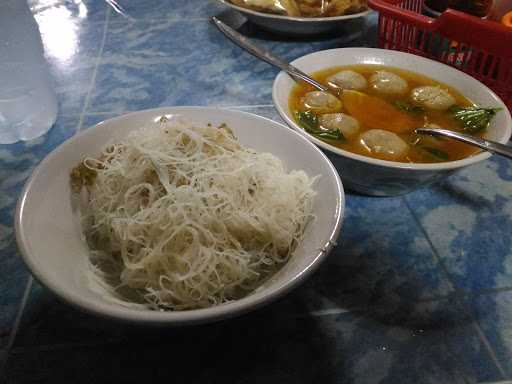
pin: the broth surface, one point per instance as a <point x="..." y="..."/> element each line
<point x="423" y="149"/>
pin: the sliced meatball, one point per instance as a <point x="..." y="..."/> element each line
<point x="431" y="97"/>
<point x="321" y="102"/>
<point x="346" y="124"/>
<point x="384" y="143"/>
<point x="388" y="83"/>
<point x="348" y="79"/>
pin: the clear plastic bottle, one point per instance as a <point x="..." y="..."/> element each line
<point x="28" y="105"/>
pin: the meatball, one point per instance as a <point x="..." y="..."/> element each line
<point x="346" y="124"/>
<point x="348" y="80"/>
<point x="321" y="102"/>
<point x="388" y="83"/>
<point x="431" y="97"/>
<point x="384" y="144"/>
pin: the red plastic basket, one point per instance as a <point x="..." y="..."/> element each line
<point x="481" y="48"/>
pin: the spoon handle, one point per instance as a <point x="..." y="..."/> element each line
<point x="488" y="145"/>
<point x="265" y="55"/>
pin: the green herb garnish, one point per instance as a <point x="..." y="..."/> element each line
<point x="441" y="155"/>
<point x="473" y="119"/>
<point x="309" y="121"/>
<point x="404" y="106"/>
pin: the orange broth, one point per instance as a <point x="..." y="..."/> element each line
<point x="417" y="154"/>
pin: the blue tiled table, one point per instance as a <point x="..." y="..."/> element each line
<point x="419" y="289"/>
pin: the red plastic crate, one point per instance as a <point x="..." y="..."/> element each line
<point x="481" y="48"/>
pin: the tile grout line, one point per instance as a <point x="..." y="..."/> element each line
<point x="95" y="72"/>
<point x="117" y="113"/>
<point x="88" y="114"/>
<point x="246" y="106"/>
<point x="330" y="312"/>
<point x="488" y="346"/>
<point x="17" y="322"/>
<point x="117" y="20"/>
<point x="458" y="295"/>
<point x="159" y="19"/>
<point x="434" y="250"/>
<point x="483" y="292"/>
<point x="491" y="291"/>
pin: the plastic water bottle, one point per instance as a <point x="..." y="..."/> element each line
<point x="28" y="105"/>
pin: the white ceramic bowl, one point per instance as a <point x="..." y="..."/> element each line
<point x="47" y="222"/>
<point x="299" y="26"/>
<point x="385" y="178"/>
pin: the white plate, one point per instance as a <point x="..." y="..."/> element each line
<point x="48" y="233"/>
<point x="289" y="25"/>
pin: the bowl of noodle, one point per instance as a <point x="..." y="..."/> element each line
<point x="179" y="215"/>
<point x="302" y="17"/>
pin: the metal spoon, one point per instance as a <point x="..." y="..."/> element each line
<point x="265" y="55"/>
<point x="487" y="145"/>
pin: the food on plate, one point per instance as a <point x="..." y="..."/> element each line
<point x="321" y="102"/>
<point x="432" y="97"/>
<point x="473" y="119"/>
<point x="379" y="120"/>
<point x="388" y="83"/>
<point x="347" y="79"/>
<point x="344" y="123"/>
<point x="384" y="143"/>
<point x="288" y="7"/>
<point x="304" y="8"/>
<point x="181" y="216"/>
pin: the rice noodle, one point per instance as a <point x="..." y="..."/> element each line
<point x="180" y="216"/>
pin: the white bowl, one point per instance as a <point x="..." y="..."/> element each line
<point x="289" y="25"/>
<point x="386" y="178"/>
<point x="49" y="236"/>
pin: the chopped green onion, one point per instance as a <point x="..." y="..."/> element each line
<point x="309" y="121"/>
<point x="473" y="119"/>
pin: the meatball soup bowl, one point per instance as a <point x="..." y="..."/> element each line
<point x="387" y="176"/>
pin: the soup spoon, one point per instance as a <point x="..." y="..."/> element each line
<point x="265" y="55"/>
<point x="487" y="145"/>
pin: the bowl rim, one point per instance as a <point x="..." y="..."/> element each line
<point x="295" y="18"/>
<point x="507" y="131"/>
<point x="195" y="316"/>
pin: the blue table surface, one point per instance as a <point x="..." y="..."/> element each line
<point x="419" y="288"/>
